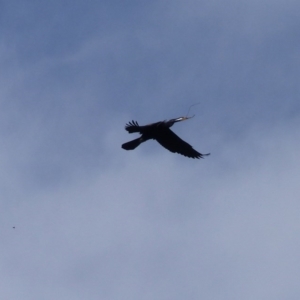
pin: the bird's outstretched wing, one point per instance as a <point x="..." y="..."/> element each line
<point x="168" y="139"/>
<point x="132" y="126"/>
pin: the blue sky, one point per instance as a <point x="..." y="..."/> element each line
<point x="93" y="221"/>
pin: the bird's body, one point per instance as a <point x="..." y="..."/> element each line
<point x="161" y="132"/>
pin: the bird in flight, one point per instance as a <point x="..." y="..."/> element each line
<point x="161" y="132"/>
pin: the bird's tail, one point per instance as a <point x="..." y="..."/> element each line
<point x="132" y="144"/>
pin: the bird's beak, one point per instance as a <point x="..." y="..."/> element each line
<point x="182" y="119"/>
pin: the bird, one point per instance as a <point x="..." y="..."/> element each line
<point x="161" y="132"/>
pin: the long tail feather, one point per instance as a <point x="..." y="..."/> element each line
<point x="132" y="144"/>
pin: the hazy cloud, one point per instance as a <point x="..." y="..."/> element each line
<point x="94" y="221"/>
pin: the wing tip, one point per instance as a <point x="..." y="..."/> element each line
<point x="202" y="155"/>
<point x="132" y="126"/>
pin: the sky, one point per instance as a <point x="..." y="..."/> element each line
<point x="81" y="218"/>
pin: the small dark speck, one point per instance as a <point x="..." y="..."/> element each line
<point x="14" y="227"/>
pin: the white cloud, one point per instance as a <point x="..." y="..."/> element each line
<point x="92" y="220"/>
<point x="162" y="226"/>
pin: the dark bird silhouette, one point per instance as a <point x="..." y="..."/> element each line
<point x="162" y="133"/>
